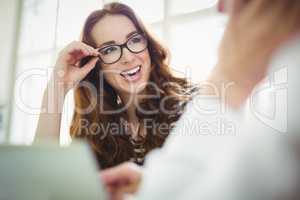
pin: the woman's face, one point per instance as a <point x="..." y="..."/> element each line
<point x="131" y="72"/>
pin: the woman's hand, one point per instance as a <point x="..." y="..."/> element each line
<point x="121" y="179"/>
<point x="67" y="72"/>
<point x="256" y="29"/>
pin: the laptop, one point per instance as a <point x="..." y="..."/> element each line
<point x="49" y="172"/>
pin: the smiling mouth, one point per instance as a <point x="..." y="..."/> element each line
<point x="132" y="74"/>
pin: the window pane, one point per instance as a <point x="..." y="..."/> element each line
<point x="66" y="119"/>
<point x="37" y="60"/>
<point x="38" y="25"/>
<point x="197" y="48"/>
<point x="72" y="15"/>
<point x="149" y="11"/>
<point x="30" y="84"/>
<point x="179" y="6"/>
<point x="31" y="79"/>
<point x="23" y="127"/>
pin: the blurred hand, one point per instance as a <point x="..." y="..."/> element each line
<point x="67" y="71"/>
<point x="121" y="179"/>
<point x="255" y="30"/>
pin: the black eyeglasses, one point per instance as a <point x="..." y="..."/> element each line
<point x="112" y="53"/>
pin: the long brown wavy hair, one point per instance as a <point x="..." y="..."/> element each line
<point x="113" y="147"/>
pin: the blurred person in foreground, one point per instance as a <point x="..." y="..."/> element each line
<point x="250" y="160"/>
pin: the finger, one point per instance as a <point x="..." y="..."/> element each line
<point x="89" y="66"/>
<point x="112" y="174"/>
<point x="78" y="54"/>
<point x="92" y="50"/>
<point x="74" y="58"/>
<point x="81" y="47"/>
<point x="88" y="49"/>
<point x="75" y="54"/>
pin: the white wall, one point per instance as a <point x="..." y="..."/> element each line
<point x="9" y="17"/>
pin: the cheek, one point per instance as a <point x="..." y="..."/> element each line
<point x="110" y="75"/>
<point x="145" y="57"/>
<point x="113" y="78"/>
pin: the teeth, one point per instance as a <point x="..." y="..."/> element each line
<point x="131" y="71"/>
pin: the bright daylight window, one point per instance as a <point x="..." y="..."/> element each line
<point x="191" y="29"/>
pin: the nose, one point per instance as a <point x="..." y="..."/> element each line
<point x="127" y="56"/>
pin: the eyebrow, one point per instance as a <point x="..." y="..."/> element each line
<point x="114" y="42"/>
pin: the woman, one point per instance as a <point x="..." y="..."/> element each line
<point x="127" y="99"/>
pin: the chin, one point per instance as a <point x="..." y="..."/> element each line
<point x="135" y="88"/>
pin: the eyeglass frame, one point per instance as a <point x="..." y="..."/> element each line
<point x="121" y="46"/>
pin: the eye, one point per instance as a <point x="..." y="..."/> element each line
<point x="108" y="50"/>
<point x="136" y="39"/>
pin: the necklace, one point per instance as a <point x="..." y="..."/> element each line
<point x="137" y="141"/>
